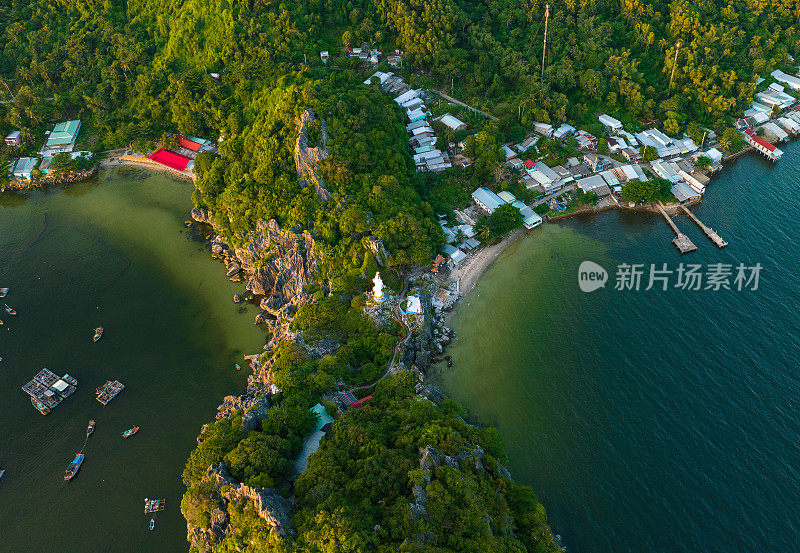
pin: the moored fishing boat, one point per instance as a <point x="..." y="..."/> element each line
<point x="97" y="333"/>
<point x="3" y="292"/>
<point x="70" y="379"/>
<point x="152" y="523"/>
<point x="2" y="472"/>
<point x="130" y="432"/>
<point x="90" y="428"/>
<point x="74" y="466"/>
<point x="41" y="407"/>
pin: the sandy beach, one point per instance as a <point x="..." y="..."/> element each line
<point x="467" y="275"/>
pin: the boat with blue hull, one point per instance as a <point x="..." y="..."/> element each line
<point x="74" y="467"/>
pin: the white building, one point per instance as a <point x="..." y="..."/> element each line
<point x="610" y="122"/>
<point x="452" y="123"/>
<point x="486" y="199"/>
<point x="791" y="82"/>
<point x="406" y="96"/>
<point x="381" y="76"/>
<point x="563" y="131"/>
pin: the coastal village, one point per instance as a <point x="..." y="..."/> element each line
<point x="772" y="119"/>
<point x="32" y="170"/>
<point x="598" y="177"/>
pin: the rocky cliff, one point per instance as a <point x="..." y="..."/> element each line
<point x="274" y="509"/>
<point x="308" y="159"/>
<point x="277" y="265"/>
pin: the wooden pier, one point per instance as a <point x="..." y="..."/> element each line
<point x="681" y="241"/>
<point x="109" y="391"/>
<point x="716" y="238"/>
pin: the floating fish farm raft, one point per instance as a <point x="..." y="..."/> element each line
<point x="109" y="391"/>
<point x="49" y="389"/>
<point x="153" y="505"/>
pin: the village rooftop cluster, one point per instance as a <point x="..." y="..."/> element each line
<point x="61" y="139"/>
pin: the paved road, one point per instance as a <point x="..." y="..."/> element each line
<point x="460" y="103"/>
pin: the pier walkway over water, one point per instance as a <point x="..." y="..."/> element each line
<point x="681" y="241"/>
<point x="716" y="238"/>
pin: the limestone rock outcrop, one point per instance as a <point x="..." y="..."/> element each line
<point x="273" y="508"/>
<point x="307" y="159"/>
<point x="202" y="215"/>
<point x="376" y="246"/>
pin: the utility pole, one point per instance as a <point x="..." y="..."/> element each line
<point x="544" y="45"/>
<point x="674" y="63"/>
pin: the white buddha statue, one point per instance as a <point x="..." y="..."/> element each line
<point x="377" y="289"/>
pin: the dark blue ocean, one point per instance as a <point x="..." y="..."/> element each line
<point x="650" y="421"/>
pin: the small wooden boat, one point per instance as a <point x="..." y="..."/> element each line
<point x="9" y="310"/>
<point x="41" y="407"/>
<point x="130" y="432"/>
<point x="3" y="292"/>
<point x="90" y="429"/>
<point x="97" y="333"/>
<point x="74" y="466"/>
<point x="152" y="523"/>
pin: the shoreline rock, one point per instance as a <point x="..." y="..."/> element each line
<point x="72" y="177"/>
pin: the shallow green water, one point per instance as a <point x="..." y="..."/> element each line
<point x="649" y="421"/>
<point x="111" y="252"/>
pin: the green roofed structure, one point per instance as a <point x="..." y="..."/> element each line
<point x="322" y="414"/>
<point x="63" y="135"/>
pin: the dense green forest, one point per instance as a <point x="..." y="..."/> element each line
<point x="132" y="71"/>
<point x="138" y="68"/>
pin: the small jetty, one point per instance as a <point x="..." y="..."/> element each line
<point x="109" y="391"/>
<point x="716" y="238"/>
<point x="48" y="389"/>
<point x="153" y="505"/>
<point x="681" y="241"/>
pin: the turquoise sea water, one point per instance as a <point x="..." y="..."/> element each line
<point x="651" y="420"/>
<point x="110" y="252"/>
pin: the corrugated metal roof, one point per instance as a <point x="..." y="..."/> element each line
<point x="63" y="133"/>
<point x="487" y="198"/>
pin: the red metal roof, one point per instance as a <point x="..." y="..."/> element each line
<point x="186" y="143"/>
<point x="529" y="164"/>
<point x="360" y="402"/>
<point x="760" y="141"/>
<point x="170" y="159"/>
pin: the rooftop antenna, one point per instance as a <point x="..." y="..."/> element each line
<point x="544" y="45"/>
